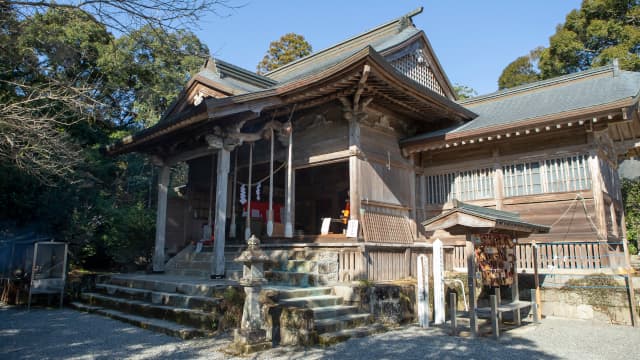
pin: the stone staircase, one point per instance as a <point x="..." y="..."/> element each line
<point x="198" y="265"/>
<point x="184" y="302"/>
<point x="299" y="286"/>
<point x="174" y="306"/>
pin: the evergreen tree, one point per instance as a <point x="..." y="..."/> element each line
<point x="288" y="48"/>
<point x="594" y="35"/>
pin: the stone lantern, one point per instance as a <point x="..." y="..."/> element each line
<point x="251" y="337"/>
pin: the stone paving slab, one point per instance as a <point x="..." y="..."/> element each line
<point x="69" y="334"/>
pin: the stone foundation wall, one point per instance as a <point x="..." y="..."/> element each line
<point x="597" y="297"/>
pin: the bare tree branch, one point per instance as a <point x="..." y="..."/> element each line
<point x="125" y="15"/>
<point x="33" y="123"/>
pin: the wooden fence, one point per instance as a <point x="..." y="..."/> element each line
<point x="559" y="255"/>
<point x="386" y="263"/>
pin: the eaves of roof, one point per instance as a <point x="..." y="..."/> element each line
<point x="214" y="108"/>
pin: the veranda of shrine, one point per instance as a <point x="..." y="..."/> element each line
<point x="373" y="122"/>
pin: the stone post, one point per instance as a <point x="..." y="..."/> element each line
<point x="251" y="336"/>
<point x="161" y="219"/>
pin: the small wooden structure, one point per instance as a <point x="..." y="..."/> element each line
<point x="491" y="236"/>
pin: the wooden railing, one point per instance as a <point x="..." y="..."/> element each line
<point x="559" y="255"/>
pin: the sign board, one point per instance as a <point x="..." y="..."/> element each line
<point x="49" y="270"/>
<point x="352" y="228"/>
<point x="495" y="256"/>
<point x="423" y="291"/>
<point x="326" y="223"/>
<point x="438" y="283"/>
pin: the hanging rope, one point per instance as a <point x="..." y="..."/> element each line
<point x="579" y="197"/>
<point x="264" y="178"/>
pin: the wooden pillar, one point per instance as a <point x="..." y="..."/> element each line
<point x="288" y="226"/>
<point x="354" y="169"/>
<point x="161" y="218"/>
<point x="247" y="228"/>
<point x="423" y="198"/>
<point x="270" y="211"/>
<point x="232" y="226"/>
<point x="597" y="188"/>
<point x="218" y="270"/>
<point x="498" y="180"/>
<point x="471" y="279"/>
<point x="413" y="202"/>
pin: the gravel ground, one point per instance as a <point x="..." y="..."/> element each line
<point x="68" y="334"/>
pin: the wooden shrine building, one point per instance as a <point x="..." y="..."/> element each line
<point x="371" y="128"/>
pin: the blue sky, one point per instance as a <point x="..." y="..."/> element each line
<point x="473" y="39"/>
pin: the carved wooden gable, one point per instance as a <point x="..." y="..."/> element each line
<point x="418" y="62"/>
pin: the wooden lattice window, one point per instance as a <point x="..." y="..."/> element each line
<point x="570" y="173"/>
<point x="463" y="185"/>
<point x="416" y="68"/>
<point x="522" y="179"/>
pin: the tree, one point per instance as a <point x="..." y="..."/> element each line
<point x="594" y="35"/>
<point x="125" y="16"/>
<point x="149" y="69"/>
<point x="522" y="70"/>
<point x="288" y="48"/>
<point x="51" y="78"/>
<point x="67" y="88"/>
<point x="631" y="202"/>
<point x="464" y="92"/>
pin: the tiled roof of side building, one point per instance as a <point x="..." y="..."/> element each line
<point x="574" y="92"/>
<point x="380" y="38"/>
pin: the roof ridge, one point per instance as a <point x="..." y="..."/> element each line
<point x="404" y="21"/>
<point x="540" y="84"/>
<point x="244" y="74"/>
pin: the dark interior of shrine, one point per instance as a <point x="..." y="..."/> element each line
<point x="321" y="192"/>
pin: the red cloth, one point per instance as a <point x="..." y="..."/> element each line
<point x="261" y="208"/>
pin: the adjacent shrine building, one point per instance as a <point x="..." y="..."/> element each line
<point x="370" y="130"/>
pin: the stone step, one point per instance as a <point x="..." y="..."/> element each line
<point x="162" y="326"/>
<point x="301" y="279"/>
<point x="296" y="292"/>
<point x="302" y="266"/>
<point x="195" y="302"/>
<point x="302" y="255"/>
<point x="193" y="318"/>
<point x="342" y="322"/>
<point x="194" y="287"/>
<point x="334" y="311"/>
<point x="197" y="274"/>
<point x="346" y="334"/>
<point x="316" y="301"/>
<point x="193" y="265"/>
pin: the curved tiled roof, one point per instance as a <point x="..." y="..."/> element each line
<point x="575" y="92"/>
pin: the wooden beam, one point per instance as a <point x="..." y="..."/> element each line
<point x="361" y="85"/>
<point x="218" y="266"/>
